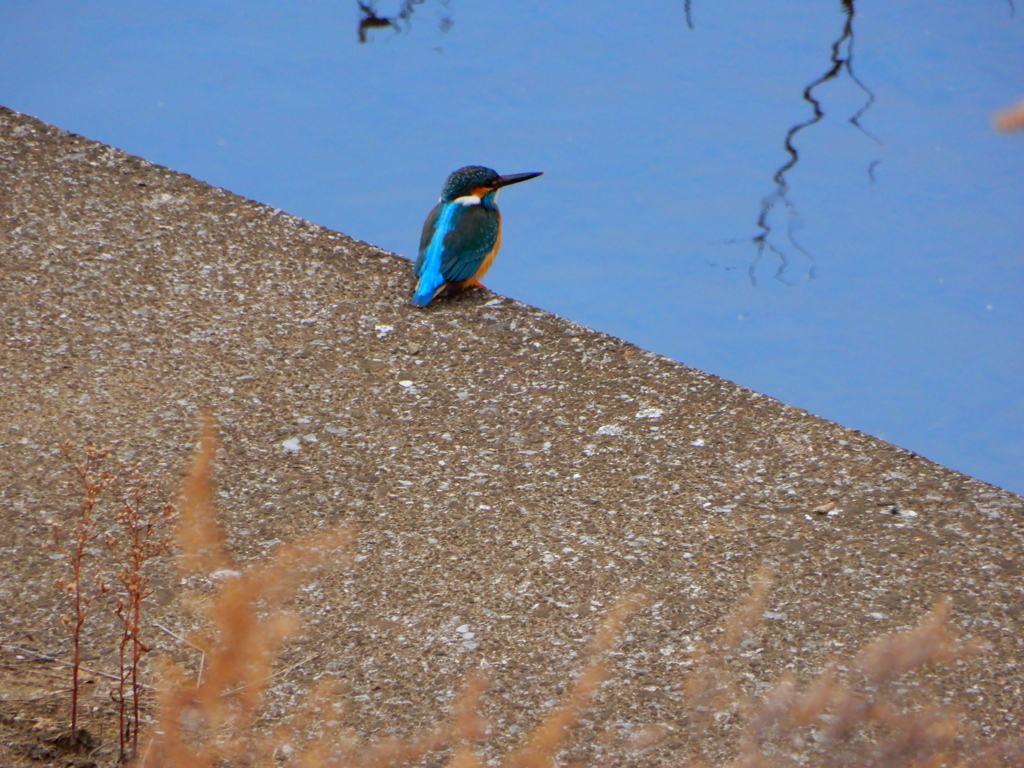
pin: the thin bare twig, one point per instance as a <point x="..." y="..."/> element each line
<point x="44" y="657"/>
<point x="178" y="637"/>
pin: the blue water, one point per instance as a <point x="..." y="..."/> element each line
<point x="900" y="307"/>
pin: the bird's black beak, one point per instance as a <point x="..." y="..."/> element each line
<point x="515" y="178"/>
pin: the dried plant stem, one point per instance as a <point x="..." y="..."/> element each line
<point x="144" y="535"/>
<point x="94" y="483"/>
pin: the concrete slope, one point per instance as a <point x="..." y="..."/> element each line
<point x="510" y="473"/>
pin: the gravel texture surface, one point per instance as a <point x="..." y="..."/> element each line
<point x="509" y="473"/>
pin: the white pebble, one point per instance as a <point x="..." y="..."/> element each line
<point x="650" y="413"/>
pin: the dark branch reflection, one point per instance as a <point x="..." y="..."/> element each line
<point x="841" y="61"/>
<point x="688" y="10"/>
<point x="371" y="19"/>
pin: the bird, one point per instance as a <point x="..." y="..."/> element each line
<point x="462" y="235"/>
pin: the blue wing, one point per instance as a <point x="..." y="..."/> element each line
<point x="455" y="241"/>
<point x="469" y="242"/>
<point x="428" y="232"/>
<point x="428" y="265"/>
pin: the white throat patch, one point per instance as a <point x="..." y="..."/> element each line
<point x="467" y="200"/>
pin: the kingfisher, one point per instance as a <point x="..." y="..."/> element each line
<point x="462" y="234"/>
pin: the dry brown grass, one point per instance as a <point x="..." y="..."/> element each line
<point x="542" y="745"/>
<point x="1010" y="119"/>
<point x="847" y="716"/>
<point x="829" y="712"/>
<point x="844" y="717"/>
<point x="207" y="718"/>
<point x="851" y="715"/>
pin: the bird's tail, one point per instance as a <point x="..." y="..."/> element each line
<point x="427" y="289"/>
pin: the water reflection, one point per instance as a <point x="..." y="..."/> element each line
<point x="841" y="61"/>
<point x="371" y="19"/>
